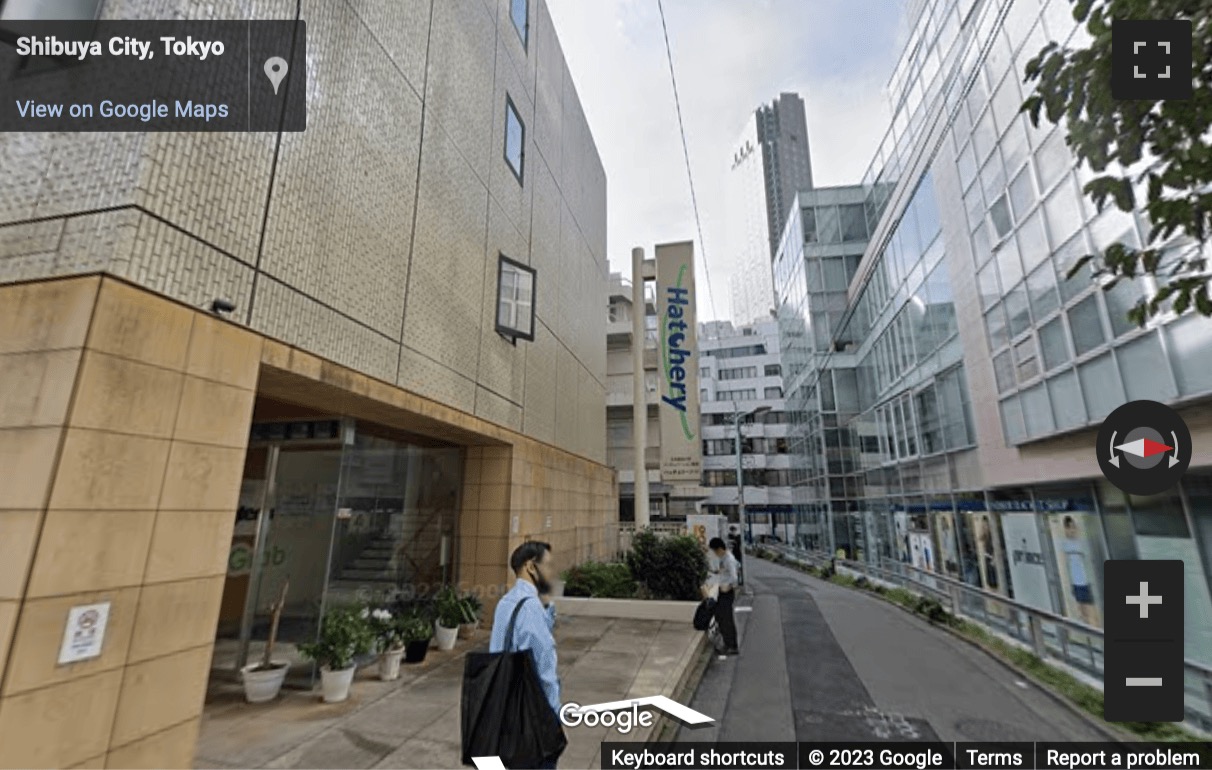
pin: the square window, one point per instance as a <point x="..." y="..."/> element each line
<point x="515" y="137"/>
<point x="995" y="324"/>
<point x="1009" y="266"/>
<point x="1032" y="242"/>
<point x="1017" y="311"/>
<point x="1068" y="409"/>
<point x="828" y="228"/>
<point x="1087" y="325"/>
<point x="1145" y="370"/>
<point x="966" y="163"/>
<point x="1003" y="370"/>
<point x="1014" y="146"/>
<point x="515" y="300"/>
<point x="1063" y="210"/>
<point x="1037" y="411"/>
<point x="987" y="280"/>
<point x="1012" y="420"/>
<point x="1054" y="343"/>
<point x="1041" y="290"/>
<point x="1022" y="193"/>
<point x="519" y="13"/>
<point x="854" y="222"/>
<point x="999" y="214"/>
<point x="993" y="177"/>
<point x="1101" y="387"/>
<point x="1053" y="160"/>
<point x="1120" y="299"/>
<point x="1064" y="258"/>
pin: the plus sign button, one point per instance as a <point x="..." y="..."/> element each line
<point x="1144" y="599"/>
<point x="1151" y="59"/>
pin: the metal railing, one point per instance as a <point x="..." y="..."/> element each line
<point x="1068" y="644"/>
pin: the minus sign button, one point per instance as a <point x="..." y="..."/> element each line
<point x="1143" y="681"/>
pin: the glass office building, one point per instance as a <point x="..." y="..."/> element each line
<point x="947" y="386"/>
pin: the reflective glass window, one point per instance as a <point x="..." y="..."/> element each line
<point x="1054" y="342"/>
<point x="1068" y="409"/>
<point x="1086" y="323"/>
<point x="1101" y="386"/>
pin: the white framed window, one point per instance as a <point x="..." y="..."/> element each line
<point x="515" y="300"/>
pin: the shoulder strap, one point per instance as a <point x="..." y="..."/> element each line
<point x="512" y="618"/>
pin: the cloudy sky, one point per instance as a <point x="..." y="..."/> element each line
<point x="729" y="57"/>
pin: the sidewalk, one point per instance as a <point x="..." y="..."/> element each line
<point x="414" y="723"/>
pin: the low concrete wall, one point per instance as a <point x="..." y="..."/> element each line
<point x="640" y="609"/>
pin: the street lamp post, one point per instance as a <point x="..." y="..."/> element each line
<point x="737" y="417"/>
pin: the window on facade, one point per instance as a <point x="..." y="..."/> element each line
<point x="1014" y="147"/>
<point x="515" y="135"/>
<point x="828" y="227"/>
<point x="1101" y="386"/>
<point x="774" y="392"/>
<point x="834" y="270"/>
<point x="773" y="370"/>
<point x="1063" y="211"/>
<point x="1064" y="258"/>
<point x="519" y="13"/>
<point x="1037" y="411"/>
<point x="1026" y="362"/>
<point x="1018" y="315"/>
<point x="1041" y="289"/>
<point x="1120" y="299"/>
<point x="1054" y="344"/>
<point x="993" y="177"/>
<point x="987" y="282"/>
<point x="515" y="300"/>
<point x="995" y="324"/>
<point x="1087" y="325"/>
<point x="854" y="222"/>
<point x="1068" y="410"/>
<point x="1022" y="193"/>
<point x="1009" y="265"/>
<point x="1003" y="371"/>
<point x="929" y="424"/>
<point x="1052" y="160"/>
<point x="999" y="215"/>
<point x="809" y="222"/>
<point x="966" y="163"/>
<point x="1012" y="420"/>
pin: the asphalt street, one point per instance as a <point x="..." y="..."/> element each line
<point x="820" y="662"/>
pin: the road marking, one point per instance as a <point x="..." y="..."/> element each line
<point x="1143" y="681"/>
<point x="1022" y="684"/>
<point x="743" y="609"/>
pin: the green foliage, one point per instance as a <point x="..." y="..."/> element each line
<point x="601" y="581"/>
<point x="668" y="567"/>
<point x="385" y="626"/>
<point x="415" y="629"/>
<point x="453" y="609"/>
<point x="345" y="633"/>
<point x="1156" y="146"/>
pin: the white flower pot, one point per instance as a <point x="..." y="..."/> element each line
<point x="446" y="637"/>
<point x="335" y="684"/>
<point x="263" y="686"/>
<point x="389" y="665"/>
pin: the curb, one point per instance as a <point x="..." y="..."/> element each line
<point x="1112" y="733"/>
<point x="696" y="661"/>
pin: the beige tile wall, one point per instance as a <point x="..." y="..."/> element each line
<point x="128" y="417"/>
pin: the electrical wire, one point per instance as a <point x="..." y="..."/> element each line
<point x="694" y="202"/>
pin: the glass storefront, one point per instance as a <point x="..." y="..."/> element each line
<point x="338" y="513"/>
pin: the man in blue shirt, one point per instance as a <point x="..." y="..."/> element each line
<point x="531" y="562"/>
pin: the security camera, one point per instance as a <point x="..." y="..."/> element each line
<point x="221" y="306"/>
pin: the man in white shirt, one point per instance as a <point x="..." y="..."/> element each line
<point x="725" y="579"/>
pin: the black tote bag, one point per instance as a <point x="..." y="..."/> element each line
<point x="504" y="711"/>
<point x="703" y="613"/>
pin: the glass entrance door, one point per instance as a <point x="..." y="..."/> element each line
<point x="295" y="556"/>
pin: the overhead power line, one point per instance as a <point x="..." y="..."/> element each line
<point x="694" y="201"/>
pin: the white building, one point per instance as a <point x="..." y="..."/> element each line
<point x="740" y="373"/>
<point x="770" y="164"/>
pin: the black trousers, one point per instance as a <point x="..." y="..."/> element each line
<point x="725" y="619"/>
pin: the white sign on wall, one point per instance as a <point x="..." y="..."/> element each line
<point x="85" y="633"/>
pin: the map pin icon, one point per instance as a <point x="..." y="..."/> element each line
<point x="275" y="70"/>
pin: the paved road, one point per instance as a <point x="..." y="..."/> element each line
<point x="820" y="662"/>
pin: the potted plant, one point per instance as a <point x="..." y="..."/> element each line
<point x="389" y="643"/>
<point x="344" y="635"/>
<point x="263" y="680"/>
<point x="474" y="608"/>
<point x="416" y="632"/>
<point x="452" y="612"/>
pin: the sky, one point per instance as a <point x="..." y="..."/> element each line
<point x="729" y="56"/>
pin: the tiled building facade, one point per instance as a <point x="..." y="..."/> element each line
<point x="975" y="376"/>
<point x="363" y="258"/>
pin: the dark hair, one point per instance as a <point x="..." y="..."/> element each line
<point x="1069" y="522"/>
<point x="531" y="549"/>
<point x="716" y="542"/>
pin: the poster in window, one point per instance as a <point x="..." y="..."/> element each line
<point x="948" y="552"/>
<point x="1079" y="551"/>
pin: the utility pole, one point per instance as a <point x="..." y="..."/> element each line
<point x="639" y="334"/>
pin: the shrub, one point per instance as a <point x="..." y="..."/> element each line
<point x="345" y="633"/>
<point x="669" y="567"/>
<point x="601" y="581"/>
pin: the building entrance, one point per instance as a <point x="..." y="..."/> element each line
<point x="338" y="513"/>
